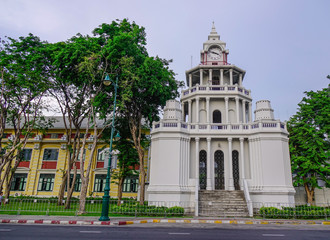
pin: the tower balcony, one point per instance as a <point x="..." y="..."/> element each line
<point x="215" y="90"/>
<point x="220" y="128"/>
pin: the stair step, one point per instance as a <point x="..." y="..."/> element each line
<point x="222" y="203"/>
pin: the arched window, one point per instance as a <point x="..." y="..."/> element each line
<point x="216" y="116"/>
<point x="202" y="169"/>
<point x="219" y="170"/>
<point x="215" y="80"/>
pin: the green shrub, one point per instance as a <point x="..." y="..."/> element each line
<point x="299" y="212"/>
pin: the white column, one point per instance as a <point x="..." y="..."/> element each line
<point x="197" y="110"/>
<point x="196" y="176"/>
<point x="237" y="109"/>
<point x="252" y="162"/>
<point x="181" y="167"/>
<point x="187" y="160"/>
<point x="210" y="76"/>
<point x="190" y="80"/>
<point x="208" y="166"/>
<point x="244" y="111"/>
<point x="208" y="110"/>
<point x="241" y="141"/>
<point x="200" y="76"/>
<point x="231" y="180"/>
<point x="189" y="111"/>
<point x="240" y="79"/>
<point x="182" y="112"/>
<point x="184" y="160"/>
<point x="250" y="112"/>
<point x="221" y="77"/>
<point x="231" y="76"/>
<point x="227" y="113"/>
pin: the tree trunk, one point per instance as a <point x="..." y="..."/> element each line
<point x="4" y="174"/>
<point x="9" y="179"/>
<point x="142" y="184"/>
<point x="310" y="194"/>
<point x="83" y="194"/>
<point x="120" y="190"/>
<point x="135" y="130"/>
<point x="68" y="200"/>
<point x="62" y="189"/>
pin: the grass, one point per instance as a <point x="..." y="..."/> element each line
<point x="92" y="207"/>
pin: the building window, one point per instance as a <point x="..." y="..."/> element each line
<point x="54" y="135"/>
<point x="131" y="184"/>
<point x="78" y="155"/>
<point x="2" y="151"/>
<point x="77" y="185"/>
<point x="26" y="154"/>
<point x="99" y="183"/>
<point x="46" y="182"/>
<point x="216" y="116"/>
<point x="19" y="182"/>
<point x="50" y="154"/>
<point x="101" y="154"/>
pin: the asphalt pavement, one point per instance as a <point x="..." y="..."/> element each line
<point x="49" y="232"/>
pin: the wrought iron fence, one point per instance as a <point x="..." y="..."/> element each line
<point x="167" y="208"/>
<point x="94" y="207"/>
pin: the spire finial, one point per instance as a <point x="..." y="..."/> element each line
<point x="213" y="31"/>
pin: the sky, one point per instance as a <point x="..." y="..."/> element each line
<point x="283" y="45"/>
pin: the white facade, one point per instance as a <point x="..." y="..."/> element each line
<point x="209" y="141"/>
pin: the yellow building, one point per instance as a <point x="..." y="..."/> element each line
<point x="45" y="158"/>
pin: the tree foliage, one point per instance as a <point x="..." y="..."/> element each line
<point x="76" y="86"/>
<point x="309" y="141"/>
<point x="24" y="75"/>
<point x="146" y="83"/>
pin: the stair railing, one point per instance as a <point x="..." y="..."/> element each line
<point x="247" y="198"/>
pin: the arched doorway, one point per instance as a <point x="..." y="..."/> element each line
<point x="219" y="170"/>
<point x="236" y="169"/>
<point x="216" y="116"/>
<point x="202" y="169"/>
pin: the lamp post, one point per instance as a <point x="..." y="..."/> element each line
<point x="106" y="197"/>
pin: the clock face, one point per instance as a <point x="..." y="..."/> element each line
<point x="214" y="53"/>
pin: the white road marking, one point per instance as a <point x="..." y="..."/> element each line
<point x="179" y="233"/>
<point x="90" y="231"/>
<point x="273" y="235"/>
<point x="5" y="230"/>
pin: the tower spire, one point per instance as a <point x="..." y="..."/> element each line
<point x="213" y="34"/>
<point x="213" y="31"/>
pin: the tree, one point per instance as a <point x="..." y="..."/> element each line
<point x="309" y="143"/>
<point x="146" y="83"/>
<point x="127" y="156"/>
<point x="76" y="85"/>
<point x="24" y="76"/>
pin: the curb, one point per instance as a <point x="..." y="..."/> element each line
<point x="183" y="221"/>
<point x="56" y="222"/>
<point x="270" y="222"/>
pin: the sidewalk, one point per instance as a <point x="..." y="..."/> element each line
<point x="83" y="220"/>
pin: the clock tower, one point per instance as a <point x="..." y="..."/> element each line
<point x="207" y="150"/>
<point x="214" y="50"/>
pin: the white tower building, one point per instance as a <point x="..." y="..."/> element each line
<point x="209" y="142"/>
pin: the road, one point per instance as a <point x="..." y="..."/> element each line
<point x="48" y="232"/>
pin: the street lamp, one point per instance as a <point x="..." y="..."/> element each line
<point x="106" y="197"/>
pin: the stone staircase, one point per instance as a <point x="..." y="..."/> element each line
<point x="222" y="203"/>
